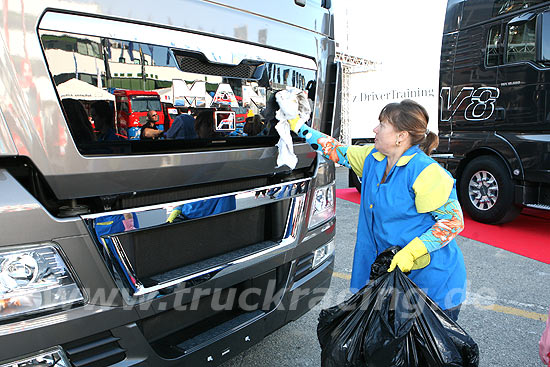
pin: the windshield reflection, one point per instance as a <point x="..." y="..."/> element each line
<point x="113" y="91"/>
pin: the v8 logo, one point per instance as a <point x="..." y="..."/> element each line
<point x="481" y="103"/>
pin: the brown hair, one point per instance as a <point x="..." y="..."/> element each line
<point x="411" y="117"/>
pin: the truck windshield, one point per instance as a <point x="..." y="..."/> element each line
<point x="145" y="103"/>
<point x="226" y="99"/>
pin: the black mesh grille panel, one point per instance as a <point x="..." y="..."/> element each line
<point x="204" y="190"/>
<point x="199" y="65"/>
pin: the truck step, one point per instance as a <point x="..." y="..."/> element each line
<point x="219" y="331"/>
<point x="538" y="206"/>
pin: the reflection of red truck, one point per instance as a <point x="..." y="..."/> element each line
<point x="132" y="107"/>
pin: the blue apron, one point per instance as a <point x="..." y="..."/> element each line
<point x="388" y="217"/>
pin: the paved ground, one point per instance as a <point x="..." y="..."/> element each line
<point x="508" y="297"/>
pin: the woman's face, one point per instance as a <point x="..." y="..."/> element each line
<point x="385" y="138"/>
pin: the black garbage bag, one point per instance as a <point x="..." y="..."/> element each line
<point x="382" y="262"/>
<point x="391" y="322"/>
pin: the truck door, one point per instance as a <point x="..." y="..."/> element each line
<point x="523" y="78"/>
<point x="518" y="76"/>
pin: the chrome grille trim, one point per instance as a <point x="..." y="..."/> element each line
<point x="134" y="291"/>
<point x="245" y="199"/>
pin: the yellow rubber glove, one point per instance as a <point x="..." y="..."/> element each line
<point x="412" y="256"/>
<point x="173" y="215"/>
<point x="294" y="124"/>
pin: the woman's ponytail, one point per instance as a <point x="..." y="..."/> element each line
<point x="431" y="141"/>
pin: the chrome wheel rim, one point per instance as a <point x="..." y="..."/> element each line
<point x="483" y="190"/>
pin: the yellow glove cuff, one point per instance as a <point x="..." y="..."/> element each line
<point x="417" y="248"/>
<point x="173" y="215"/>
<point x="294" y="124"/>
<point x="413" y="256"/>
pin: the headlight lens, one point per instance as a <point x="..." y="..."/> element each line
<point x="51" y="358"/>
<point x="322" y="208"/>
<point x="34" y="279"/>
<point x="322" y="253"/>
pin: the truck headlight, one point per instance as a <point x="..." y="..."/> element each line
<point x="322" y="208"/>
<point x="34" y="279"/>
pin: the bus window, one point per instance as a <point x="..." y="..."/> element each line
<point x="493" y="42"/>
<point x="521" y="42"/>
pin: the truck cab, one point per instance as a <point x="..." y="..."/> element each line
<point x="494" y="125"/>
<point x="158" y="252"/>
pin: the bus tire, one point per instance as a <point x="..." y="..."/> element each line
<point x="486" y="191"/>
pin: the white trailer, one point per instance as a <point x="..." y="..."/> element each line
<point x="402" y="42"/>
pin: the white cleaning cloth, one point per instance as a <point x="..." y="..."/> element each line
<point x="292" y="103"/>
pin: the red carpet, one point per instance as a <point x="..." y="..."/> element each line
<point x="528" y="235"/>
<point x="349" y="195"/>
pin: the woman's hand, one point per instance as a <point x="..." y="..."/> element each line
<point x="405" y="257"/>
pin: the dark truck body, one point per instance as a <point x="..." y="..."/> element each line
<point x="494" y="123"/>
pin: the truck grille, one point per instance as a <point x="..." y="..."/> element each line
<point x="159" y="254"/>
<point x="99" y="350"/>
<point x="198" y="64"/>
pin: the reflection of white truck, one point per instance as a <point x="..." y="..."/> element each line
<point x="406" y="64"/>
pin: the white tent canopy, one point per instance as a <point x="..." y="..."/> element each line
<point x="77" y="89"/>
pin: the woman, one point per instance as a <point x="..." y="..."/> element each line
<point x="407" y="199"/>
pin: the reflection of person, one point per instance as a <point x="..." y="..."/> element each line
<point x="78" y="121"/>
<point x="112" y="224"/>
<point x="544" y="343"/>
<point x="407" y="199"/>
<point x="183" y="127"/>
<point x="203" y="208"/>
<point x="149" y="130"/>
<point x="204" y="124"/>
<point x="102" y="115"/>
<point x="253" y="125"/>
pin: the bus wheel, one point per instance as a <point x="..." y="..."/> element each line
<point x="486" y="191"/>
<point x="354" y="181"/>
